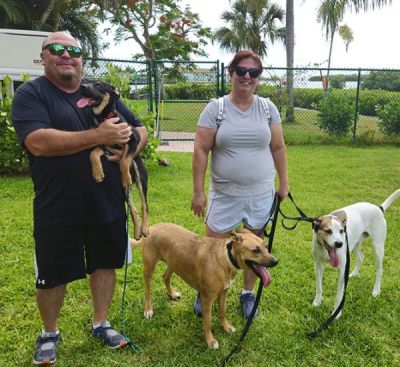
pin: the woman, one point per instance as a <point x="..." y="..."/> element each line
<point x="246" y="149"/>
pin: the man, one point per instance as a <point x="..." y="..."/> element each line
<point x="79" y="225"/>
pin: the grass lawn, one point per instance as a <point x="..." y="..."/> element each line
<point x="322" y="178"/>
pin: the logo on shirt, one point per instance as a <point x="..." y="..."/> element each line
<point x="41" y="281"/>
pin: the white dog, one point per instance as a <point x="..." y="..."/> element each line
<point x="355" y="223"/>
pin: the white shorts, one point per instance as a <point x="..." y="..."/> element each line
<point x="225" y="213"/>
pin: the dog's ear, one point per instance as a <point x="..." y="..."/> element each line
<point x="342" y="216"/>
<point x="316" y="224"/>
<point x="236" y="237"/>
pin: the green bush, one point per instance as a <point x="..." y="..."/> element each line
<point x="389" y="118"/>
<point x="335" y="114"/>
<point x="13" y="158"/>
<point x="386" y="80"/>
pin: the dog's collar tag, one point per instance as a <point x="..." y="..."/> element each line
<point x="231" y="258"/>
<point x="111" y="115"/>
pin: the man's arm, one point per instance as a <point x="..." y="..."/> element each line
<point x="52" y="142"/>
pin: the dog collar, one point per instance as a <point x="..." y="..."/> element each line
<point x="231" y="258"/>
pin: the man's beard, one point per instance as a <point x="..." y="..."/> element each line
<point x="68" y="77"/>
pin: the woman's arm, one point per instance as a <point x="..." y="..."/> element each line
<point x="278" y="150"/>
<point x="203" y="143"/>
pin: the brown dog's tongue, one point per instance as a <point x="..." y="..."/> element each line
<point x="83" y="102"/>
<point x="266" y="278"/>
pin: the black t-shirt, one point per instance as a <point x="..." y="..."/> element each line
<point x="65" y="191"/>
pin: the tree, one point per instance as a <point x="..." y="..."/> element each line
<point x="161" y="28"/>
<point x="249" y="24"/>
<point x="79" y="17"/>
<point x="11" y="12"/>
<point x="331" y="13"/>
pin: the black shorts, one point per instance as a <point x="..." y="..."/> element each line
<point x="67" y="253"/>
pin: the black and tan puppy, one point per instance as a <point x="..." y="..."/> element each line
<point x="207" y="264"/>
<point x="102" y="98"/>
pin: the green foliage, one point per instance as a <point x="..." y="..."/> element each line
<point x="386" y="80"/>
<point x="307" y="97"/>
<point x="251" y="25"/>
<point x="13" y="159"/>
<point x="337" y="81"/>
<point x="162" y="28"/>
<point x="389" y="116"/>
<point x="335" y="114"/>
<point x="369" y="99"/>
<point x="190" y="91"/>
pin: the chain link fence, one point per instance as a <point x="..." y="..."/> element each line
<point x="317" y="105"/>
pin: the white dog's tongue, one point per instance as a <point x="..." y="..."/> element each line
<point x="266" y="278"/>
<point x="333" y="256"/>
<point x="85" y="101"/>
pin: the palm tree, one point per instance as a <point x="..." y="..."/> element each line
<point x="249" y="24"/>
<point x="11" y="12"/>
<point x="331" y="13"/>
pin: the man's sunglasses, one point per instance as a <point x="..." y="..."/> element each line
<point x="242" y="71"/>
<point x="58" y="50"/>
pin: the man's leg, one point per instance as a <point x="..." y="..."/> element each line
<point x="102" y="284"/>
<point x="49" y="302"/>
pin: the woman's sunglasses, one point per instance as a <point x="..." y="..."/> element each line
<point x="242" y="71"/>
<point x="58" y="50"/>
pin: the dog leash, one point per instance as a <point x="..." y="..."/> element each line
<point x="134" y="346"/>
<point x="305" y="218"/>
<point x="273" y="219"/>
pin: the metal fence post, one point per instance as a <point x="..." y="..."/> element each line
<point x="222" y="79"/>
<point x="218" y="89"/>
<point x="357" y="103"/>
<point x="150" y="86"/>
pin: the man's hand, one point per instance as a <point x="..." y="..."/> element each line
<point x="111" y="132"/>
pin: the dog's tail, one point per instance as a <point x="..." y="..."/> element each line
<point x="386" y="204"/>
<point x="135" y="243"/>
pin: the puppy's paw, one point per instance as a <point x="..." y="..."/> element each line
<point x="213" y="344"/>
<point x="144" y="230"/>
<point x="98" y="176"/>
<point x="148" y="314"/>
<point x="174" y="295"/>
<point x="137" y="235"/>
<point x="317" y="301"/>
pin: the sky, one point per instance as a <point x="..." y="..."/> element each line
<point x="375" y="35"/>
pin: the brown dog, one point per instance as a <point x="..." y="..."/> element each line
<point x="207" y="264"/>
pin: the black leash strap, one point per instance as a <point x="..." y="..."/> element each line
<point x="134" y="346"/>
<point x="274" y="217"/>
<point x="303" y="217"/>
<point x="325" y="325"/>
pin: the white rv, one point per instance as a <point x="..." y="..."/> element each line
<point x="20" y="54"/>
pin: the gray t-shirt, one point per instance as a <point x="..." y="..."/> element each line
<point x="241" y="159"/>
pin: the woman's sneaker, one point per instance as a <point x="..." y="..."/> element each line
<point x="46" y="349"/>
<point x="111" y="338"/>
<point x="247" y="303"/>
